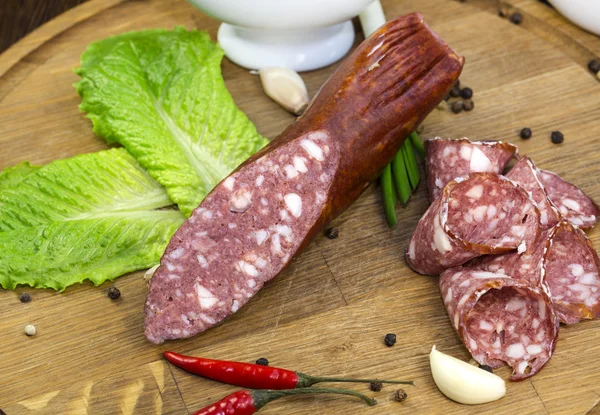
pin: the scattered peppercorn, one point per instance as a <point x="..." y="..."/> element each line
<point x="30" y="330"/>
<point x="486" y="368"/>
<point x="594" y="65"/>
<point x="332" y="233"/>
<point x="25" y="298"/>
<point x="2" y="412"/>
<point x="401" y="395"/>
<point x="375" y="386"/>
<point x="516" y="18"/>
<point x="457" y="83"/>
<point x="390" y="339"/>
<point x="525" y="133"/>
<point x="557" y="137"/>
<point x="262" y="361"/>
<point x="114" y="293"/>
<point x="455" y="92"/>
<point x="457" y="107"/>
<point x="468" y="105"/>
<point x="466" y="93"/>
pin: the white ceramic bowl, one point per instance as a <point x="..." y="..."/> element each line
<point x="297" y="34"/>
<point x="584" y="13"/>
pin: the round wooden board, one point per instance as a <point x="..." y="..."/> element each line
<point x="328" y="313"/>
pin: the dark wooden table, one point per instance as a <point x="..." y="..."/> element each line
<point x="19" y="17"/>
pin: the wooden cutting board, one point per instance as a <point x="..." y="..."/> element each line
<point x="328" y="313"/>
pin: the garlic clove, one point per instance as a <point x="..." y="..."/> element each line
<point x="462" y="382"/>
<point x="150" y="273"/>
<point x="285" y="87"/>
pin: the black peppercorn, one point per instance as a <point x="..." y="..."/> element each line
<point x="486" y="368"/>
<point x="468" y="105"/>
<point x="332" y="233"/>
<point x="525" y="133"/>
<point x="262" y="361"/>
<point x="114" y="293"/>
<point x="594" y="65"/>
<point x="400" y="395"/>
<point x="516" y="18"/>
<point x="457" y="83"/>
<point x="25" y="298"/>
<point x="466" y="93"/>
<point x="2" y="412"/>
<point x="457" y="107"/>
<point x="375" y="386"/>
<point x="455" y="92"/>
<point x="390" y="339"/>
<point x="557" y="137"/>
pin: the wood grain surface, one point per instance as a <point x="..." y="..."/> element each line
<point x="19" y="17"/>
<point x="328" y="313"/>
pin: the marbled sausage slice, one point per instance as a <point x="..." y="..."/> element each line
<point x="564" y="264"/>
<point x="575" y="205"/>
<point x="572" y="274"/>
<point x="500" y="319"/>
<point x="526" y="174"/>
<point x="447" y="159"/>
<point x="483" y="213"/>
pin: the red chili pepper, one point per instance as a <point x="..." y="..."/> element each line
<point x="249" y="375"/>
<point x="247" y="402"/>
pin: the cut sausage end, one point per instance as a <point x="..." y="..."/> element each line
<point x="223" y="258"/>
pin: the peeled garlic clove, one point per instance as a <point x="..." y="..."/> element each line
<point x="286" y="88"/>
<point x="462" y="382"/>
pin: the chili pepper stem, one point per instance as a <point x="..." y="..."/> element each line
<point x="263" y="397"/>
<point x="307" y="380"/>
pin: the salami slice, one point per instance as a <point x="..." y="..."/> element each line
<point x="564" y="264"/>
<point x="575" y="205"/>
<point x="447" y="159"/>
<point x="248" y="229"/>
<point x="571" y="272"/>
<point x="478" y="214"/>
<point x="500" y="319"/>
<point x="526" y="174"/>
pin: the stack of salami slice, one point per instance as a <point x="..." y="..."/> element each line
<point x="512" y="257"/>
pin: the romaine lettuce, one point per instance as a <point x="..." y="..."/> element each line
<point x="11" y="176"/>
<point x="161" y="94"/>
<point x="89" y="217"/>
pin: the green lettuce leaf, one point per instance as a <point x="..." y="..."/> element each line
<point x="161" y="94"/>
<point x="11" y="176"/>
<point x="89" y="217"/>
